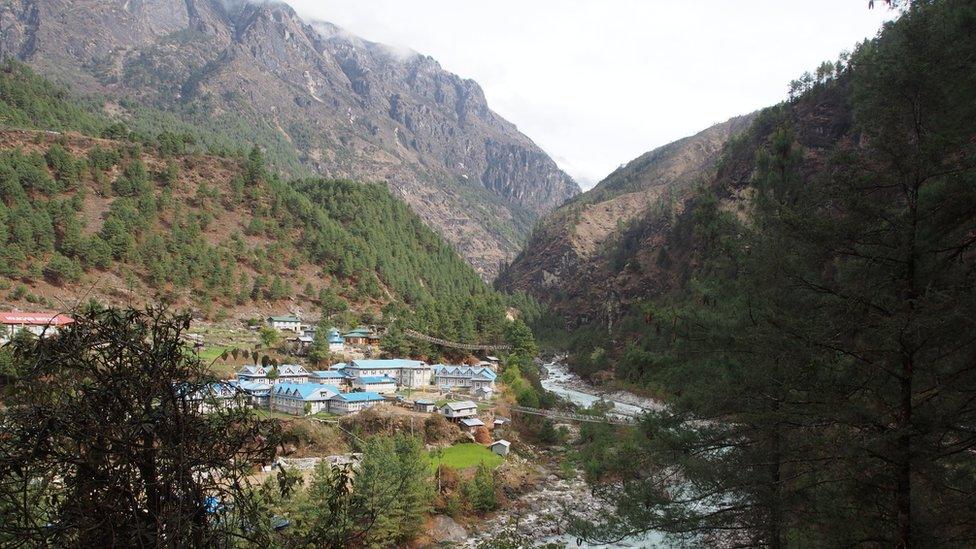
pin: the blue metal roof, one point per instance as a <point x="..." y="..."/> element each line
<point x="254" y="387"/>
<point x="387" y="364"/>
<point x="366" y="396"/>
<point x="329" y="374"/>
<point x="464" y="371"/>
<point x="370" y="380"/>
<point x="307" y="391"/>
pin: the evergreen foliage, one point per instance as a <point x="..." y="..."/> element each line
<point x="369" y="247"/>
<point x="821" y="360"/>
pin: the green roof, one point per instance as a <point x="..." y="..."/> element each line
<point x="284" y="319"/>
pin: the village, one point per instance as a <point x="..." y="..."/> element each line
<point x="461" y="393"/>
<point x="460" y="412"/>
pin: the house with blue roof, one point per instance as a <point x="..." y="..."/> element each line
<point x="384" y="385"/>
<point x="414" y="374"/>
<point x="330" y="377"/>
<point x="258" y="393"/>
<point x="212" y="396"/>
<point x="337" y="343"/>
<point x="470" y="378"/>
<point x="292" y="398"/>
<point x="362" y="337"/>
<point x="349" y="403"/>
<point x="284" y="373"/>
<point x="256" y="374"/>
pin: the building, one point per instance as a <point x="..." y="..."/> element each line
<point x="254" y="374"/>
<point x="258" y="393"/>
<point x="483" y="393"/>
<point x="413" y="374"/>
<point x="500" y="447"/>
<point x="426" y="406"/>
<point x="12" y="323"/>
<point x="213" y="396"/>
<point x="499" y="421"/>
<point x="362" y="337"/>
<point x="463" y="377"/>
<point x="288" y="322"/>
<point x="471" y="424"/>
<point x="291" y="373"/>
<point x="300" y="344"/>
<point x="302" y="398"/>
<point x="337" y="343"/>
<point x="384" y="385"/>
<point x="286" y="373"/>
<point x="459" y="410"/>
<point x="332" y="377"/>
<point x="349" y="403"/>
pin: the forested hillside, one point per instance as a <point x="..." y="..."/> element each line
<point x="89" y="209"/>
<point x="816" y="343"/>
<point x="316" y="98"/>
<point x="584" y="260"/>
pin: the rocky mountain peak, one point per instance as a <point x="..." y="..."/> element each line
<point x="344" y="106"/>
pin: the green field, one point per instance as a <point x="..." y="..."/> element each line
<point x="462" y="456"/>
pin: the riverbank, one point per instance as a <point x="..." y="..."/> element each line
<point x="541" y="516"/>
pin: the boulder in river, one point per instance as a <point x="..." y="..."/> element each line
<point x="445" y="529"/>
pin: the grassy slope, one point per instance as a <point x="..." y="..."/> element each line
<point x="463" y="456"/>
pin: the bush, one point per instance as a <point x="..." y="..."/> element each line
<point x="438" y="429"/>
<point x="480" y="492"/>
<point x="61" y="269"/>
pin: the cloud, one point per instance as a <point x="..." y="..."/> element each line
<point x="598" y="83"/>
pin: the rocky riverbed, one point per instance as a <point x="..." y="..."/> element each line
<point x="542" y="515"/>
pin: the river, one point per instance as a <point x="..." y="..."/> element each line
<point x="538" y="514"/>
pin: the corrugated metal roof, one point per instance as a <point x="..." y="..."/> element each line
<point x="292" y="370"/>
<point x="461" y="405"/>
<point x="328" y="374"/>
<point x="388" y="364"/>
<point x="307" y="391"/>
<point x="443" y="370"/>
<point x="373" y="380"/>
<point x="18" y="318"/>
<point x="285" y="318"/>
<point x="366" y="396"/>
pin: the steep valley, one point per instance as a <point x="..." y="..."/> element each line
<point x="597" y="251"/>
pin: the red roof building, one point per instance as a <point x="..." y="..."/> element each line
<point x="36" y="323"/>
<point x="18" y="318"/>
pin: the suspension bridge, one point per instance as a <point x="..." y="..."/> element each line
<point x="413" y="334"/>
<point x="570" y="416"/>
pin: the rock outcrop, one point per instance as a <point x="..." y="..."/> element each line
<point x="583" y="258"/>
<point x="345" y="107"/>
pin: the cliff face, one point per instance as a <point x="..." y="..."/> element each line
<point x="347" y="107"/>
<point x="586" y="257"/>
<point x="631" y="239"/>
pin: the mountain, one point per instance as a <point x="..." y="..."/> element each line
<point x="320" y="100"/>
<point x="587" y="255"/>
<point x="133" y="220"/>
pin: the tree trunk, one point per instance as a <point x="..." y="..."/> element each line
<point x="903" y="482"/>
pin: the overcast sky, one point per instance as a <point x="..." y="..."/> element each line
<point x="596" y="83"/>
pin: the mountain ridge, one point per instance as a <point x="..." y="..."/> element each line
<point x="570" y="261"/>
<point x="323" y="101"/>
